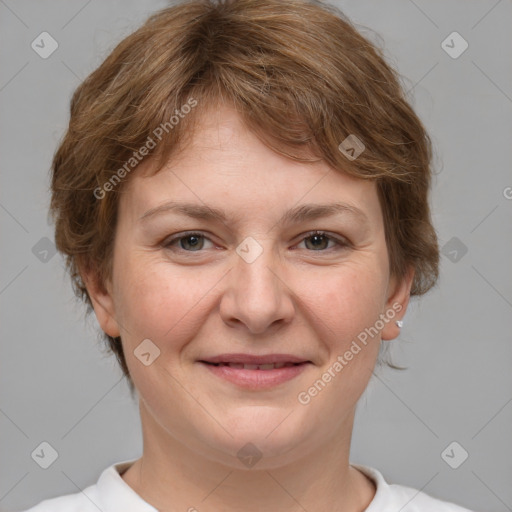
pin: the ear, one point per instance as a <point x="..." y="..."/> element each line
<point x="102" y="301"/>
<point x="399" y="293"/>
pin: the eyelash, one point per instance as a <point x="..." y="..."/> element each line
<point x="342" y="244"/>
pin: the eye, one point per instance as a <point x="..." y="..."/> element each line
<point x="190" y="242"/>
<point x="319" y="241"/>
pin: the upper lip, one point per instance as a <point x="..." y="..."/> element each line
<point x="254" y="359"/>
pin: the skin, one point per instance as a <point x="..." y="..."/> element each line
<point x="294" y="298"/>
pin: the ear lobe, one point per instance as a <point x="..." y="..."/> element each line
<point x="102" y="301"/>
<point x="397" y="301"/>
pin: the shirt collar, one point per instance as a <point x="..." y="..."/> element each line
<point x="117" y="496"/>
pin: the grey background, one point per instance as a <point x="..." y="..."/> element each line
<point x="57" y="385"/>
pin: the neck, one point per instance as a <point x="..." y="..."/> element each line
<point x="171" y="476"/>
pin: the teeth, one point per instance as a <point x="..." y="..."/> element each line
<point x="238" y="366"/>
<point x="268" y="366"/>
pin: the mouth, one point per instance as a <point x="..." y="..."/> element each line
<point x="256" y="372"/>
<point x="248" y="366"/>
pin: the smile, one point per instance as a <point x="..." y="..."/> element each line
<point x="253" y="372"/>
<point x="268" y="366"/>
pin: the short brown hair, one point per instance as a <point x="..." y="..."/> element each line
<point x="302" y="78"/>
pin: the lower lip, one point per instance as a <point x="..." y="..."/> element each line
<point x="257" y="379"/>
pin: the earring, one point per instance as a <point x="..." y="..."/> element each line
<point x="399" y="323"/>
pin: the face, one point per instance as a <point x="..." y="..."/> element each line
<point x="256" y="286"/>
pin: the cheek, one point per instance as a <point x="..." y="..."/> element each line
<point x="345" y="300"/>
<point x="346" y="309"/>
<point x="159" y="301"/>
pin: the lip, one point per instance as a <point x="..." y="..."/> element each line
<point x="256" y="379"/>
<point x="255" y="359"/>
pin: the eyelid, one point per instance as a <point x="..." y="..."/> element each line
<point x="174" y="238"/>
<point x="341" y="241"/>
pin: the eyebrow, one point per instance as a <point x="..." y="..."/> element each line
<point x="298" y="214"/>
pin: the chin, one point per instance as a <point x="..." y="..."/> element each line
<point x="261" y="439"/>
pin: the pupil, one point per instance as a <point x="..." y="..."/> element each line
<point x="317" y="240"/>
<point x="195" y="240"/>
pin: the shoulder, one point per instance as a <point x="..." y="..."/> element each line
<point x="416" y="501"/>
<point x="406" y="499"/>
<point x="110" y="493"/>
<point x="78" y="502"/>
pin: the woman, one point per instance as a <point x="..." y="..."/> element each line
<point x="242" y="199"/>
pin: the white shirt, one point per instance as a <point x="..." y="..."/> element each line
<point x="112" y="494"/>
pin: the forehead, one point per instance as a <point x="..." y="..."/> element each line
<point x="224" y="165"/>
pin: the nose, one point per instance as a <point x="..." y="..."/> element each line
<point x="257" y="297"/>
